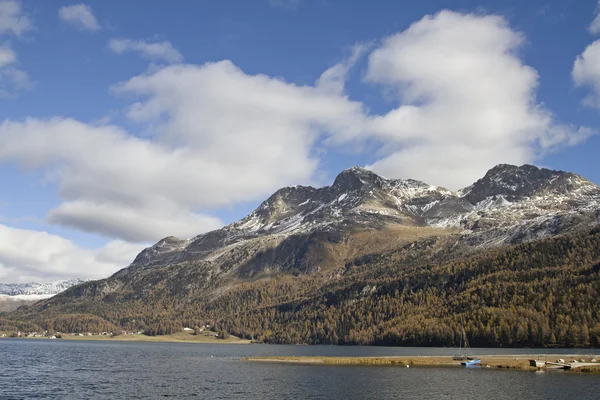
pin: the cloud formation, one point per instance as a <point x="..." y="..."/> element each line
<point x="586" y="68"/>
<point x="147" y="222"/>
<point x="7" y="56"/>
<point x="594" y="27"/>
<point x="217" y="136"/>
<point x="12" y="19"/>
<point x="466" y="101"/>
<point x="113" y="184"/>
<point x="586" y="72"/>
<point x="214" y="135"/>
<point x="12" y="79"/>
<point x="39" y="256"/>
<point x="159" y="51"/>
<point x="333" y="80"/>
<point x="12" y="22"/>
<point x="80" y="16"/>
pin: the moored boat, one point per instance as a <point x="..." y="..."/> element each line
<point x="464" y="351"/>
<point x="537" y="363"/>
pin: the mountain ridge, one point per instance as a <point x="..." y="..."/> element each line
<point x="312" y="249"/>
<point x="34" y="288"/>
<point x="362" y="198"/>
<point x="14" y="295"/>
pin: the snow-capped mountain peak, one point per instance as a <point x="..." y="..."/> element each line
<point x="38" y="289"/>
<point x="14" y="295"/>
<point x="516" y="183"/>
<point x="356" y="178"/>
<point x="507" y="204"/>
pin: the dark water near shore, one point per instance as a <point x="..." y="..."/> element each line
<point x="45" y="369"/>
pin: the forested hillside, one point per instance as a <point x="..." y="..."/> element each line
<point x="536" y="294"/>
<point x="542" y="293"/>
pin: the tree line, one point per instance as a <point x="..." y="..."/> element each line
<point x="538" y="294"/>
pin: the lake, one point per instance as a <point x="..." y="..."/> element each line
<point x="55" y="369"/>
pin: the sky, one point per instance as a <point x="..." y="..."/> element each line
<point x="123" y="122"/>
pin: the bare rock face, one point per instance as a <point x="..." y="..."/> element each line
<point x="519" y="183"/>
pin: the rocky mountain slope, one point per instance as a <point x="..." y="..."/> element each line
<point x="508" y="205"/>
<point x="305" y="238"/>
<point x="14" y="295"/>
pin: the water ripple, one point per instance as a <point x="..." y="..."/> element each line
<point x="105" y="370"/>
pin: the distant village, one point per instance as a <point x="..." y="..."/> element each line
<point x="204" y="330"/>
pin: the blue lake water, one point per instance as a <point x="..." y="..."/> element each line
<point x="54" y="369"/>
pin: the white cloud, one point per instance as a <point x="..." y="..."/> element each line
<point x="467" y="102"/>
<point x="79" y="16"/>
<point x="12" y="19"/>
<point x="153" y="50"/>
<point x="7" y="56"/>
<point x="594" y="27"/>
<point x="112" y="183"/>
<point x="240" y="119"/>
<point x="333" y="80"/>
<point x="586" y="68"/>
<point x="118" y="253"/>
<point x="19" y="79"/>
<point x="27" y="255"/>
<point x="12" y="79"/>
<point x="217" y="137"/>
<point x="145" y="223"/>
<point x="586" y="72"/>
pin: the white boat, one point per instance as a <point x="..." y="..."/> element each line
<point x="464" y="351"/>
<point x="537" y="363"/>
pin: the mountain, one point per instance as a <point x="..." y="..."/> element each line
<point x="508" y="205"/>
<point x="14" y="295"/>
<point x="302" y="244"/>
<point x="40" y="289"/>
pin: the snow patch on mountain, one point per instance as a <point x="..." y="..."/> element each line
<point x="26" y="297"/>
<point x="18" y="290"/>
<point x="508" y="198"/>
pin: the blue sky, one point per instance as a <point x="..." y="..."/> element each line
<point x="128" y="121"/>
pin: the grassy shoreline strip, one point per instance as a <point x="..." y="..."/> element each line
<point x="179" y="337"/>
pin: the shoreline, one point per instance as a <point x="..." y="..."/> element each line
<point x="514" y="362"/>
<point x="493" y="361"/>
<point x="183" y="337"/>
<point x="179" y="337"/>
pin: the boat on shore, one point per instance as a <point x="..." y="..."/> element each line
<point x="464" y="351"/>
<point x="537" y="363"/>
<point x="471" y="363"/>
